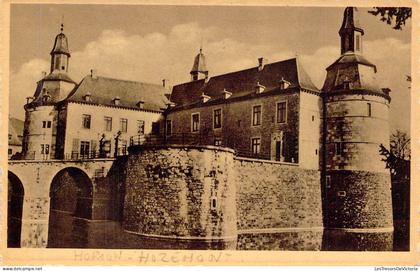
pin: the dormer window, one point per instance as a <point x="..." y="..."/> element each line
<point x="87" y="97"/>
<point x="140" y="104"/>
<point x="117" y="100"/>
<point x="29" y="99"/>
<point x="46" y="97"/>
<point x="226" y="94"/>
<point x="259" y="88"/>
<point x="205" y="98"/>
<point x="284" y="84"/>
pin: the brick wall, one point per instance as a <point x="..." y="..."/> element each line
<point x="275" y="195"/>
<point x="169" y="192"/>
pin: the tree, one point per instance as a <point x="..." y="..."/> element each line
<point x="397" y="158"/>
<point x="400" y="145"/>
<point x="388" y="14"/>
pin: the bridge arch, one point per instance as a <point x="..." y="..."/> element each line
<point x="71" y="196"/>
<point x="15" y="196"/>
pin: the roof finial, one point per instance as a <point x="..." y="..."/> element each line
<point x="201" y="45"/>
<point x="62" y="23"/>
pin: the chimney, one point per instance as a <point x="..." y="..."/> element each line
<point x="164" y="83"/>
<point x="93" y="74"/>
<point x="43" y="74"/>
<point x="261" y="63"/>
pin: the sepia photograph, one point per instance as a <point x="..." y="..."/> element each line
<point x="209" y="127"/>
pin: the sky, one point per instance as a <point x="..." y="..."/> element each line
<point x="151" y="43"/>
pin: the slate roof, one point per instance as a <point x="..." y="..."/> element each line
<point x="350" y="20"/>
<point x="351" y="57"/>
<point x="242" y="83"/>
<point x="199" y="63"/>
<point x="61" y="45"/>
<point x="58" y="75"/>
<point x="16" y="130"/>
<point x="104" y="90"/>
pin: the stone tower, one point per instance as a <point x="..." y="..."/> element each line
<point x="199" y="69"/>
<point x="41" y="110"/>
<point x="356" y="184"/>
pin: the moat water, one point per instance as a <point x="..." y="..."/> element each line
<point x="67" y="231"/>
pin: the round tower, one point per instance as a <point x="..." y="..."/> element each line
<point x="41" y="115"/>
<point x="356" y="183"/>
<point x="199" y="70"/>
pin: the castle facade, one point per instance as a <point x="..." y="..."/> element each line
<point x="276" y="151"/>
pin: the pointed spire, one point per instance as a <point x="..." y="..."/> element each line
<point x="351" y="32"/>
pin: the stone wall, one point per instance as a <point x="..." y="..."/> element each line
<point x="358" y="199"/>
<point x="180" y="192"/>
<point x="237" y="130"/>
<point x="274" y="195"/>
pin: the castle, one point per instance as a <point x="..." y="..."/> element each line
<point x="252" y="151"/>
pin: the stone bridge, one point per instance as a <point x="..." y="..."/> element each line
<point x="84" y="188"/>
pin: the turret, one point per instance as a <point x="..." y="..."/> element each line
<point x="356" y="183"/>
<point x="350" y="32"/>
<point x="41" y="115"/>
<point x="60" y="53"/>
<point x="199" y="69"/>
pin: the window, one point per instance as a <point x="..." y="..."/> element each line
<point x="140" y="127"/>
<point x="328" y="181"/>
<point x="256" y="115"/>
<point x="213" y="203"/>
<point x="155" y="128"/>
<point x="168" y="127"/>
<point x="123" y="125"/>
<point x="46" y="124"/>
<point x="10" y="136"/>
<point x="217" y="118"/>
<point x="369" y="109"/>
<point x="195" y="122"/>
<point x="123" y="148"/>
<point x="217" y="142"/>
<point x="338" y="148"/>
<point x="9" y="151"/>
<point x="108" y="124"/>
<point x="256" y="145"/>
<point x="86" y="121"/>
<point x="281" y="112"/>
<point x="341" y="193"/>
<point x="357" y="43"/>
<point x="279" y="148"/>
<point x="45" y="148"/>
<point x="84" y="148"/>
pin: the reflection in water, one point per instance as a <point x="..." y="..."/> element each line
<point x="66" y="231"/>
